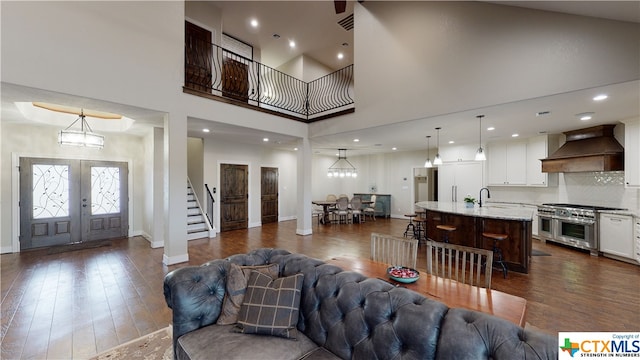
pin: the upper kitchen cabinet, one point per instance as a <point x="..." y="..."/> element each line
<point x="539" y="147"/>
<point x="632" y="153"/>
<point x="517" y="163"/>
<point x="507" y="163"/>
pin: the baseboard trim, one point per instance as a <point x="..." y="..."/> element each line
<point x="6" y="250"/>
<point x="304" y="232"/>
<point x="166" y="260"/>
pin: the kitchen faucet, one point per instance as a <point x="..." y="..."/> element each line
<point x="480" y="196"/>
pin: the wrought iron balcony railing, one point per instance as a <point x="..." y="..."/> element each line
<point x="214" y="70"/>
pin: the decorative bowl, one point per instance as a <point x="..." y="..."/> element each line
<point x="403" y="274"/>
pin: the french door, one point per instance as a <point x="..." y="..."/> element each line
<point x="69" y="201"/>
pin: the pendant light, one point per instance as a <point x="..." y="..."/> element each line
<point x="428" y="163"/>
<point x="437" y="160"/>
<point x="85" y="137"/>
<point x="342" y="167"/>
<point x="480" y="156"/>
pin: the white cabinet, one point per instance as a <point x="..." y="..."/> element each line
<point x="539" y="147"/>
<point x="616" y="235"/>
<point x="456" y="180"/>
<point x="632" y="154"/>
<point x="507" y="163"/>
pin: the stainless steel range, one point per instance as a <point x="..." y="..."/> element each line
<point x="571" y="224"/>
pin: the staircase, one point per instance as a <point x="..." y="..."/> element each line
<point x="196" y="221"/>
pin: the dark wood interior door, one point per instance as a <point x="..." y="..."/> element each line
<point x="235" y="79"/>
<point x="234" y="195"/>
<point x="269" y="194"/>
<point x="197" y="57"/>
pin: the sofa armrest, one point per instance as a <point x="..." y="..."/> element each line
<point x="195" y="294"/>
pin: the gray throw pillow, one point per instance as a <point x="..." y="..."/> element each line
<point x="270" y="306"/>
<point x="237" y="286"/>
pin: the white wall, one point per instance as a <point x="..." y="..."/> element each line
<point x="195" y="161"/>
<point x="112" y="51"/>
<point x="255" y="157"/>
<point x="416" y="59"/>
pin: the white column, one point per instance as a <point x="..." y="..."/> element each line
<point x="175" y="189"/>
<point x="304" y="223"/>
<point x="158" y="189"/>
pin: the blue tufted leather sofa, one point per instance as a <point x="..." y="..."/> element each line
<point x="343" y="315"/>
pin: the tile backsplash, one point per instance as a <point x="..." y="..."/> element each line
<point x="585" y="188"/>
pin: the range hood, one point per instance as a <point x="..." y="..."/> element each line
<point x="590" y="149"/>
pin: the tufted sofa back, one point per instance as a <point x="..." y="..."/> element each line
<point x="356" y="317"/>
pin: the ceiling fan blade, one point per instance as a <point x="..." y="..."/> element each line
<point x="340" y="5"/>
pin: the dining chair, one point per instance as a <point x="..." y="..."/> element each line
<point x="460" y="263"/>
<point x="371" y="209"/>
<point x="331" y="197"/>
<point x="395" y="251"/>
<point x="341" y="212"/>
<point x="343" y="196"/>
<point x="356" y="209"/>
<point x="317" y="211"/>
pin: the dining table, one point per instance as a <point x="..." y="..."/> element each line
<point x="450" y="292"/>
<point x="328" y="204"/>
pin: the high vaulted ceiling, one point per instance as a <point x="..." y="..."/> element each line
<point x="316" y="32"/>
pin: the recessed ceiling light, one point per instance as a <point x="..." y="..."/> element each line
<point x="292" y="44"/>
<point x="205" y="130"/>
<point x="345" y="44"/>
<point x="394" y="148"/>
<point x="600" y="97"/>
<point x="356" y="140"/>
<point x="585" y="116"/>
<point x="295" y="149"/>
<point x="276" y="36"/>
<point x="265" y="139"/>
<point x="254" y="23"/>
<point x="515" y="135"/>
<point x="543" y="113"/>
<point x="340" y="55"/>
<point x="490" y="128"/>
<point x="451" y="142"/>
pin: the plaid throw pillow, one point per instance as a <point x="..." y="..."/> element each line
<point x="237" y="286"/>
<point x="270" y="306"/>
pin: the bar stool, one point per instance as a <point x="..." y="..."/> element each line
<point x="421" y="225"/>
<point x="410" y="225"/>
<point x="497" y="250"/>
<point x="447" y="230"/>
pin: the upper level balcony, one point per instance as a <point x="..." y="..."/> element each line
<point x="214" y="72"/>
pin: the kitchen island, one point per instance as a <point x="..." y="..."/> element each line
<point x="470" y="223"/>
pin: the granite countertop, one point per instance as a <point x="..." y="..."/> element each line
<point x="490" y="210"/>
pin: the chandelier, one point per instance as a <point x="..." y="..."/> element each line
<point x="342" y="167"/>
<point x="82" y="137"/>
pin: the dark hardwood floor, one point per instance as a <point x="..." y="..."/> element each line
<point x="73" y="305"/>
